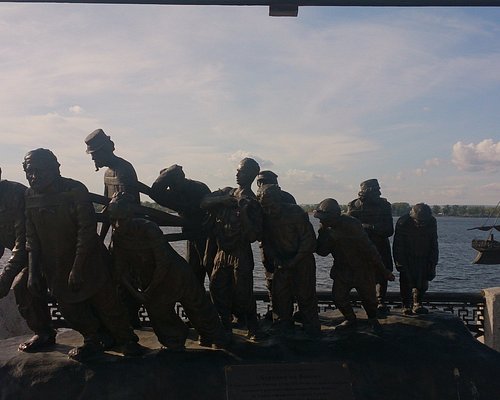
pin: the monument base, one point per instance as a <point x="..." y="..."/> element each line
<point x="414" y="357"/>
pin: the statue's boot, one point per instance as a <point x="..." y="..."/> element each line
<point x="86" y="352"/>
<point x="132" y="349"/>
<point x="374" y="325"/>
<point x="39" y="341"/>
<point x="418" y="308"/>
<point x="349" y="324"/>
<point x="406" y="310"/>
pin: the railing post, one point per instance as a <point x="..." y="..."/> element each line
<point x="492" y="317"/>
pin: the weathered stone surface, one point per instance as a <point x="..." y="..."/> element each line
<point x="424" y="357"/>
<point x="11" y="322"/>
<point x="492" y="317"/>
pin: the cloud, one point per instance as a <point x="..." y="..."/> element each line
<point x="491" y="187"/>
<point x="241" y="154"/>
<point x="75" y="110"/>
<point x="483" y="156"/>
<point x="433" y="162"/>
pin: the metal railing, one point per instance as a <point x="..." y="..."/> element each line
<point x="469" y="307"/>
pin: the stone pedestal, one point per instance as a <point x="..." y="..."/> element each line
<point x="492" y="318"/>
<point x="11" y="322"/>
<point x="431" y="357"/>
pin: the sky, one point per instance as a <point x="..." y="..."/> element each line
<point x="338" y="95"/>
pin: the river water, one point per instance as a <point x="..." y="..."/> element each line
<point x="455" y="273"/>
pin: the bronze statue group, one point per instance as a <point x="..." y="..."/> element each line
<point x="51" y="230"/>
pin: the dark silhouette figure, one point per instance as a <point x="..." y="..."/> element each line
<point x="416" y="254"/>
<point x="289" y="243"/>
<point x="65" y="252"/>
<point x="375" y="214"/>
<point x="172" y="190"/>
<point x="237" y="222"/>
<point x="162" y="276"/>
<point x="120" y="176"/>
<point x="270" y="178"/>
<point x="13" y="237"/>
<point x="356" y="261"/>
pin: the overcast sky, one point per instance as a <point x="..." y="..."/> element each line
<point x="410" y="96"/>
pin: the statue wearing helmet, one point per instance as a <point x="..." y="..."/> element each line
<point x="416" y="254"/>
<point x="356" y="261"/>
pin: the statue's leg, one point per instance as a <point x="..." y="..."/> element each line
<point x="112" y="318"/>
<point x="221" y="289"/>
<point x="243" y="290"/>
<point x="201" y="313"/>
<point x="340" y="291"/>
<point x="405" y="291"/>
<point x="36" y="313"/>
<point x="282" y="300"/>
<point x="171" y="331"/>
<point x="304" y="284"/>
<point x="366" y="291"/>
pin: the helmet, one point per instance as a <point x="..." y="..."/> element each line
<point x="267" y="177"/>
<point x="328" y="207"/>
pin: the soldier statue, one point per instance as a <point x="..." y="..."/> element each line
<point x="289" y="242"/>
<point x="172" y="190"/>
<point x="237" y="222"/>
<point x="65" y="252"/>
<point x="416" y="254"/>
<point x="120" y="176"/>
<point x="13" y="237"/>
<point x="375" y="214"/>
<point x="270" y="178"/>
<point x="356" y="261"/>
<point x="162" y="278"/>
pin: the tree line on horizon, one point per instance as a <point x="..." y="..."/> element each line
<point x="401" y="208"/>
<point x="398" y="209"/>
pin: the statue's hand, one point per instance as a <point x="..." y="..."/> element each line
<point x="391" y="277"/>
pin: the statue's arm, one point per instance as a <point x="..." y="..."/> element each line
<point x="324" y="241"/>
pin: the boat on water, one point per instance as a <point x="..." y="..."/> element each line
<point x="488" y="250"/>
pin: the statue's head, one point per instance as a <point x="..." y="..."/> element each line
<point x="173" y="176"/>
<point x="269" y="197"/>
<point x="369" y="189"/>
<point x="247" y="170"/>
<point x="421" y="213"/>
<point x="267" y="178"/>
<point x="328" y="211"/>
<point x="100" y="147"/>
<point x="41" y="168"/>
<point x="120" y="209"/>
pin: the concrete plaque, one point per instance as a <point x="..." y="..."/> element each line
<point x="301" y="381"/>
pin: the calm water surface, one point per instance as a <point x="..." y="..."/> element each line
<point x="455" y="273"/>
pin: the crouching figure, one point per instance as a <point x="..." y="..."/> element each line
<point x="356" y="261"/>
<point x="158" y="277"/>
